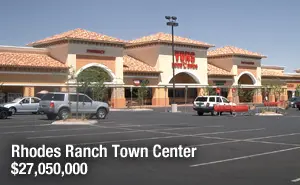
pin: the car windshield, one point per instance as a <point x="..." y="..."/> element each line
<point x="201" y="99"/>
<point x="16" y="100"/>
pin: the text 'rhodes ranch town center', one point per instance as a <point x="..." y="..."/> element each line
<point x="44" y="66"/>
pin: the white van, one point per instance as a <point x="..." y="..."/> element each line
<point x="205" y="104"/>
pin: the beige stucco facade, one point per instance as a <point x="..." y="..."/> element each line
<point x="225" y="72"/>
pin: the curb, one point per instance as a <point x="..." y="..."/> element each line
<point x="130" y="110"/>
<point x="268" y="114"/>
<point x="79" y="122"/>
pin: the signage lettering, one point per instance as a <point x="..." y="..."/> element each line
<point x="95" y="51"/>
<point x="185" y="60"/>
<point x="290" y="85"/>
<point x="247" y="63"/>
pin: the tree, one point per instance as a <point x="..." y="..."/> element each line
<point x="142" y="92"/>
<point x="297" y="93"/>
<point x="92" y="79"/>
<point x="208" y="91"/>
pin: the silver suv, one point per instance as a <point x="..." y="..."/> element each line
<point x="59" y="104"/>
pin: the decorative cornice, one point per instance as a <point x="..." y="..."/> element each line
<point x="153" y="43"/>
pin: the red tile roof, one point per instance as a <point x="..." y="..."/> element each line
<point x="271" y="73"/>
<point x="78" y="34"/>
<point x="134" y="65"/>
<point x="12" y="59"/>
<point x="232" y="50"/>
<point x="167" y="38"/>
<point x="214" y="70"/>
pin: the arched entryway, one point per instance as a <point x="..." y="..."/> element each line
<point x="246" y="94"/>
<point x="180" y="93"/>
<point x="91" y="74"/>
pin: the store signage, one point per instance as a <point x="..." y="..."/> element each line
<point x="219" y="82"/>
<point x="95" y="51"/>
<point x="290" y="85"/>
<point x="138" y="82"/>
<point x="185" y="60"/>
<point x="247" y="63"/>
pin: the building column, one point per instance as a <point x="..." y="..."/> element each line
<point x="28" y="91"/>
<point x="64" y="89"/>
<point x="271" y="97"/>
<point x="230" y="95"/>
<point x="118" y="98"/>
<point x="160" y="96"/>
<point x="201" y="92"/>
<point x="293" y="93"/>
<point x="284" y="96"/>
<point x="257" y="97"/>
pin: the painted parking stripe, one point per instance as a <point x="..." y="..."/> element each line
<point x="244" y="157"/>
<point x="274" y="136"/>
<point x="51" y="130"/>
<point x="296" y="180"/>
<point x="20" y="126"/>
<point x="168" y="137"/>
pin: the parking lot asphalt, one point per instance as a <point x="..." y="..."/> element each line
<point x="230" y="150"/>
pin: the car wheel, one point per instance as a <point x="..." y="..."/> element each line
<point x="12" y="110"/>
<point x="101" y="113"/>
<point x="200" y="113"/>
<point x="3" y="115"/>
<point x="51" y="116"/>
<point x="64" y="114"/>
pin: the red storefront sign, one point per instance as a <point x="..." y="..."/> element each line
<point x="290" y="85"/>
<point x="95" y="51"/>
<point x="185" y="60"/>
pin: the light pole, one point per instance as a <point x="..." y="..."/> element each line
<point x="172" y="22"/>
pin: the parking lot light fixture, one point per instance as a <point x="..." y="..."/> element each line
<point x="172" y="22"/>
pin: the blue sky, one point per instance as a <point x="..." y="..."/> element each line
<point x="266" y="26"/>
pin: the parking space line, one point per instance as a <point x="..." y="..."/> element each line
<point x="250" y="140"/>
<point x="17" y="126"/>
<point x="51" y="130"/>
<point x="244" y="157"/>
<point x="91" y="134"/>
<point x="274" y="136"/>
<point x="168" y="137"/>
<point x="295" y="180"/>
<point x="214" y="126"/>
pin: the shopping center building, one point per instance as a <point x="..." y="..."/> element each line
<point x="45" y="65"/>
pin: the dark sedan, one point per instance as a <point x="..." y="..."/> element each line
<point x="4" y="113"/>
<point x="298" y="105"/>
<point x="293" y="101"/>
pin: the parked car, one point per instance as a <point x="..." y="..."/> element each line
<point x="205" y="104"/>
<point x="298" y="104"/>
<point x="60" y="104"/>
<point x="4" y="113"/>
<point x="25" y="104"/>
<point x="293" y="101"/>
